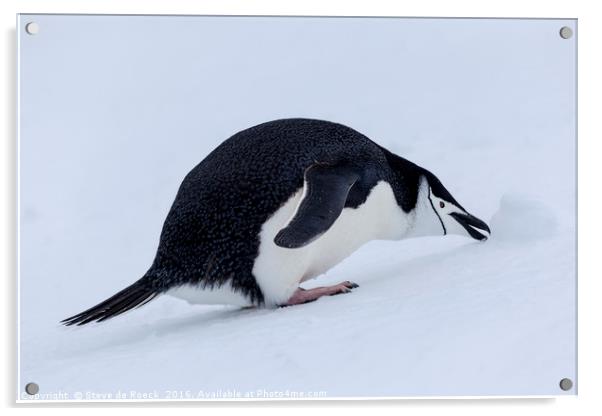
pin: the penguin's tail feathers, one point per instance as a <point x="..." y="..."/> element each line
<point x="129" y="298"/>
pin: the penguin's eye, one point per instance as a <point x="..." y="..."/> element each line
<point x="441" y="204"/>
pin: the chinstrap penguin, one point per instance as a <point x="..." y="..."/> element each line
<point x="280" y="203"/>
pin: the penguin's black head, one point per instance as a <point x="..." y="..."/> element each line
<point x="453" y="218"/>
<point x="436" y="211"/>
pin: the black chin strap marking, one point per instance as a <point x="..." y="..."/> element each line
<point x="440" y="220"/>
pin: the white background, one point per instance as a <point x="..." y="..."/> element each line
<point x="587" y="157"/>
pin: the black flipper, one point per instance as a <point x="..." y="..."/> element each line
<point x="326" y="190"/>
<point x="131" y="297"/>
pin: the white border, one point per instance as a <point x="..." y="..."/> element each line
<point x="589" y="152"/>
<point x="20" y="382"/>
<point x="18" y="205"/>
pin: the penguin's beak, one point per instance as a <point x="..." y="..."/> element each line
<point x="472" y="225"/>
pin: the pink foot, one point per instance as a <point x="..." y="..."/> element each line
<point x="309" y="295"/>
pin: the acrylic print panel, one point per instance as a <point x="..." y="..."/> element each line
<point x="115" y="111"/>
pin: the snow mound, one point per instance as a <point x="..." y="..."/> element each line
<point x="520" y="218"/>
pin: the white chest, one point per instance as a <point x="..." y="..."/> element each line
<point x="279" y="271"/>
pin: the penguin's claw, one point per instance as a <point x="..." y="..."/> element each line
<point x="351" y="285"/>
<point x="309" y="295"/>
<point x="345" y="287"/>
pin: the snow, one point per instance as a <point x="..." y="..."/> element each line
<point x="515" y="212"/>
<point x="125" y="108"/>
